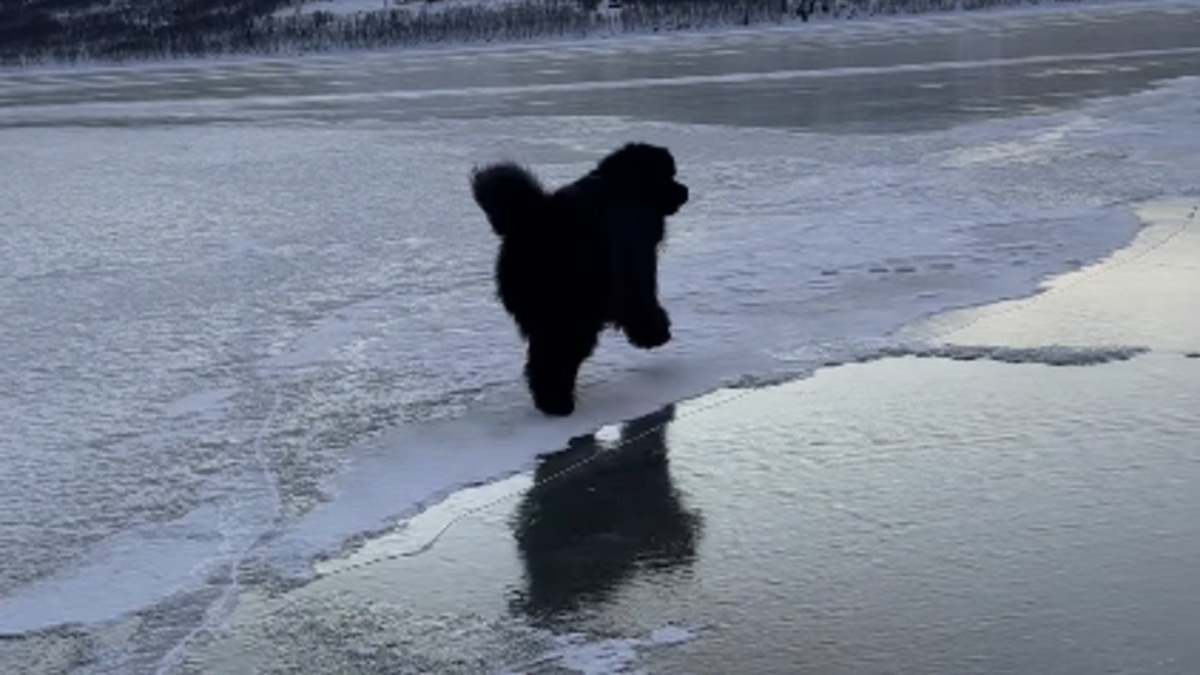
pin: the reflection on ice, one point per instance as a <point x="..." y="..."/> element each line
<point x="598" y="515"/>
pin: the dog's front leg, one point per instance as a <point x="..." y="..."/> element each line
<point x="649" y="329"/>
<point x="633" y="281"/>
<point x="646" y="324"/>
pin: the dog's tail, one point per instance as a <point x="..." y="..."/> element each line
<point x="510" y="195"/>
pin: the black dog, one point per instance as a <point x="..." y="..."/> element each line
<point x="581" y="258"/>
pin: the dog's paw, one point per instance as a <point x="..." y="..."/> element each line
<point x="650" y="340"/>
<point x="551" y="383"/>
<point x="555" y="406"/>
<point x="652" y="330"/>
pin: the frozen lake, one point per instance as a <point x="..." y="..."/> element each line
<point x="949" y="514"/>
<point x="247" y="303"/>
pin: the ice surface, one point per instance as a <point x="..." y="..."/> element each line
<point x="769" y="280"/>
<point x="576" y="653"/>
<point x="288" y="321"/>
<point x="126" y="572"/>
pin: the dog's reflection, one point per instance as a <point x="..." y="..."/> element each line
<point x="586" y="529"/>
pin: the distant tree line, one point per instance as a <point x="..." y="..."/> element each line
<point x="35" y="31"/>
<point x="70" y="30"/>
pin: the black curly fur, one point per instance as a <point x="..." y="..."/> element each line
<point x="580" y="258"/>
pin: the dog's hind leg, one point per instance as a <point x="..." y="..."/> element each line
<point x="553" y="366"/>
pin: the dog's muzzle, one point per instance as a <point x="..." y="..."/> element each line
<point x="678" y="197"/>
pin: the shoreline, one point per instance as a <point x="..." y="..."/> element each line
<point x="817" y="25"/>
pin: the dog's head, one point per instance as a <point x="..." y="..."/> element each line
<point x="647" y="173"/>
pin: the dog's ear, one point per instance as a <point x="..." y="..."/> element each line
<point x="637" y="163"/>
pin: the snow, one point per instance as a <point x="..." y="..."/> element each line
<point x="351" y="7"/>
<point x="338" y="7"/>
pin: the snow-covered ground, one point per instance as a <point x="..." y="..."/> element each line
<point x="249" y="315"/>
<point x="340" y="7"/>
<point x="351" y="7"/>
